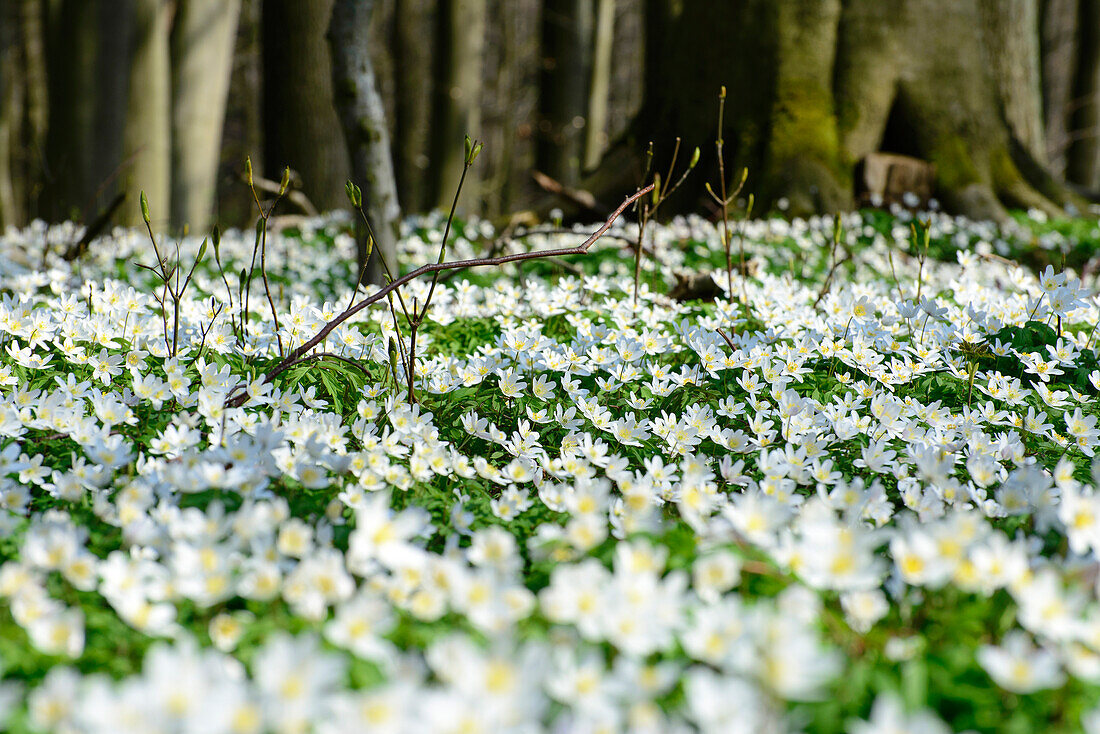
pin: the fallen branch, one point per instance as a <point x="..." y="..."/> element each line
<point x="236" y="401"/>
<point x="93" y="230"/>
<point x="580" y="197"/>
<point x="294" y="196"/>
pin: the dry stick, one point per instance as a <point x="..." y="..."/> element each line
<point x="581" y="249"/>
<point x="835" y="263"/>
<point x="472" y="149"/>
<point x="727" y="339"/>
<point x="580" y="197"/>
<point x="829" y="278"/>
<point x="261" y="233"/>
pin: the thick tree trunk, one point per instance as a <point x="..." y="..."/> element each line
<point x="457" y="94"/>
<point x="1012" y="46"/>
<point x="363" y="119"/>
<point x="816" y="85"/>
<point x="414" y="49"/>
<point x="803" y="159"/>
<point x="1083" y="154"/>
<point x="1059" y="60"/>
<point x="203" y="39"/>
<point x="567" y="32"/>
<point x="919" y="72"/>
<point x="301" y="129"/>
<point x="147" y="146"/>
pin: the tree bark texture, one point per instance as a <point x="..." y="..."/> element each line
<point x="816" y="85"/>
<point x="115" y="22"/>
<point x="203" y="39"/>
<point x="414" y="49"/>
<point x="1083" y="154"/>
<point x="362" y="117"/>
<point x="72" y="42"/>
<point x="147" y="142"/>
<point x="457" y="111"/>
<point x="599" y="91"/>
<point x="243" y="129"/>
<point x="567" y="34"/>
<point x="12" y="97"/>
<point x="1058" y="41"/>
<point x="301" y="128"/>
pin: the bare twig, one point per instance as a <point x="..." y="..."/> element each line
<point x="293" y="358"/>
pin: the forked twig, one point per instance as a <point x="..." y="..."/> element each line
<point x="236" y="401"/>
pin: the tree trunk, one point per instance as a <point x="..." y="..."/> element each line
<point x="243" y="129"/>
<point x="972" y="118"/>
<point x="115" y="18"/>
<point x="567" y="33"/>
<point x="1013" y="53"/>
<point x="203" y="39"/>
<point x="816" y="85"/>
<point x="71" y="46"/>
<point x="520" y="53"/>
<point x="414" y="49"/>
<point x="11" y="113"/>
<point x="301" y="129"/>
<point x="147" y="146"/>
<point x="1059" y="60"/>
<point x="457" y="94"/>
<point x="363" y="119"/>
<point x="803" y="159"/>
<point x="599" y="92"/>
<point x="1083" y="155"/>
<point x="36" y="116"/>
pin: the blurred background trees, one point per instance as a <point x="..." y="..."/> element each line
<point x="101" y="98"/>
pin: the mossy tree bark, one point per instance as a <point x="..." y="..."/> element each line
<point x="816" y="85"/>
<point x="301" y="129"/>
<point x="363" y="119"/>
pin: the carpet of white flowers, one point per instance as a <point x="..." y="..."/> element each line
<point x="855" y="494"/>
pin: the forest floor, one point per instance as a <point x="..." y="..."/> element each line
<point x="852" y="489"/>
